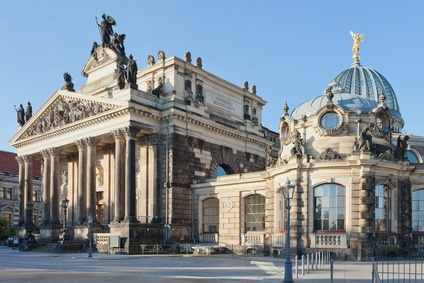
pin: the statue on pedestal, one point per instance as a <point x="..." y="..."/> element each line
<point x="118" y="44"/>
<point x="401" y="147"/>
<point x="121" y="73"/>
<point x="28" y="111"/>
<point x="366" y="140"/>
<point x="20" y="115"/>
<point x="69" y="85"/>
<point x="106" y="29"/>
<point x="132" y="72"/>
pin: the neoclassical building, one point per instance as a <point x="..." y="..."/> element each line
<point x="172" y="152"/>
<point x="120" y="153"/>
<point x="358" y="179"/>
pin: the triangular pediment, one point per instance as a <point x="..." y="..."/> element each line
<point x="62" y="109"/>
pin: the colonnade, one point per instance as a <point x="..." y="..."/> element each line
<point x="85" y="201"/>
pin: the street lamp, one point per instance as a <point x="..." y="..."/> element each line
<point x="288" y="193"/>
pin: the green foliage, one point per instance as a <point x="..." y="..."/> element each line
<point x="5" y="230"/>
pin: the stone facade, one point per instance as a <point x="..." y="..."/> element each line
<point x="124" y="159"/>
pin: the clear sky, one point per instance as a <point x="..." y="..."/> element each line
<point x="290" y="49"/>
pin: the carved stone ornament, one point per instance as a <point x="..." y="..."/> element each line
<point x="330" y="154"/>
<point x="65" y="110"/>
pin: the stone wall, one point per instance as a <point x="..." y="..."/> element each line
<point x="193" y="160"/>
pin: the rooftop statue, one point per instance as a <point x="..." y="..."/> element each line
<point x="106" y="29"/>
<point x="20" y="115"/>
<point x="28" y="112"/>
<point x="118" y="44"/>
<point x="132" y="72"/>
<point x="69" y="85"/>
<point x="357" y="38"/>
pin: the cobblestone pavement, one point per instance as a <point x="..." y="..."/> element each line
<point x="32" y="267"/>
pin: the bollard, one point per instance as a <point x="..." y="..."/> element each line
<point x="331" y="269"/>
<point x="296" y="266"/>
<point x="319" y="260"/>
<point x="307" y="263"/>
<point x="303" y="265"/>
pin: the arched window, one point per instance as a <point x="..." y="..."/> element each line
<point x="210" y="215"/>
<point x="222" y="170"/>
<point x="418" y="210"/>
<point x="255" y="213"/>
<point x="411" y="156"/>
<point x="329" y="207"/>
<point x="382" y="208"/>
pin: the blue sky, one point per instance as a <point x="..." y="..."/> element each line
<point x="290" y="49"/>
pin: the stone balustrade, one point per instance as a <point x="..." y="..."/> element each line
<point x="209" y="238"/>
<point x="329" y="240"/>
<point x="253" y="238"/>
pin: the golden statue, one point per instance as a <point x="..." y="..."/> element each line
<point x="357" y="38"/>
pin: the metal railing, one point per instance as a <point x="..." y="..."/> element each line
<point x="398" y="271"/>
<point x="309" y="262"/>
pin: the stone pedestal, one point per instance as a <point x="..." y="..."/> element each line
<point x="136" y="234"/>
<point x="50" y="232"/>
<point x="80" y="232"/>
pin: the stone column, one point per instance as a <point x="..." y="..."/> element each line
<point x="46" y="187"/>
<point x="54" y="187"/>
<point x="28" y="192"/>
<point x="130" y="190"/>
<point x="119" y="174"/>
<point x="80" y="209"/>
<point x="21" y="190"/>
<point x="91" y="180"/>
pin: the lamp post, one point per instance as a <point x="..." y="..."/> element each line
<point x="288" y="193"/>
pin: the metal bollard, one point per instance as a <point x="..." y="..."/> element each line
<point x="331" y="269"/>
<point x="296" y="266"/>
<point x="307" y="263"/>
<point x="303" y="265"/>
<point x="319" y="260"/>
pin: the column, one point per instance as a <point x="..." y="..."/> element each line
<point x="28" y="192"/>
<point x="54" y="187"/>
<point x="130" y="190"/>
<point x="91" y="180"/>
<point x="119" y="172"/>
<point x="46" y="187"/>
<point x="80" y="209"/>
<point x="21" y="190"/>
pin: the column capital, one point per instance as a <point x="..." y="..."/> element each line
<point x="80" y="144"/>
<point x="52" y="151"/>
<point x="20" y="159"/>
<point x="118" y="135"/>
<point x="45" y="153"/>
<point x="90" y="141"/>
<point x="130" y="132"/>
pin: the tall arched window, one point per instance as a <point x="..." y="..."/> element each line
<point x="255" y="213"/>
<point x="210" y="215"/>
<point x="382" y="208"/>
<point x="418" y="211"/>
<point x="329" y="207"/>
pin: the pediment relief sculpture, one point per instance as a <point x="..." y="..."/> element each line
<point x="65" y="110"/>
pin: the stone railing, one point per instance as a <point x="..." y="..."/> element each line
<point x="278" y="240"/>
<point x="253" y="238"/>
<point x="329" y="240"/>
<point x="102" y="242"/>
<point x="209" y="238"/>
